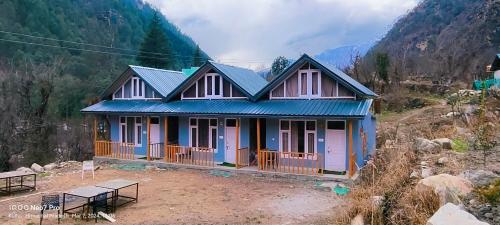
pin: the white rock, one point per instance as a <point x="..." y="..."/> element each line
<point x="25" y="169"/>
<point x="451" y="214"/>
<point x="50" y="166"/>
<point x="449" y="188"/>
<point x="414" y="174"/>
<point x="426" y="172"/>
<point x="452" y="114"/>
<point x="443" y="142"/>
<point x="425" y="145"/>
<point x="442" y="160"/>
<point x="37" y="168"/>
<point x="479" y="177"/>
<point x="358" y="220"/>
<point x="377" y="200"/>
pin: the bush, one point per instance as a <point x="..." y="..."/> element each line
<point x="459" y="145"/>
<point x="490" y="193"/>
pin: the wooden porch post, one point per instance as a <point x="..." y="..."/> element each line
<point x="95" y="136"/>
<point x="165" y="139"/>
<point x="351" y="156"/>
<point x="258" y="143"/>
<point x="237" y="140"/>
<point x="148" y="157"/>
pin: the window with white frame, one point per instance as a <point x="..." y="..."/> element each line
<point x="203" y="132"/>
<point x="131" y="130"/>
<point x="135" y="88"/>
<point x="212" y="86"/>
<point x="298" y="136"/>
<point x="309" y="83"/>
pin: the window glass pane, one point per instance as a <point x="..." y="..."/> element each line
<point x="310" y="142"/>
<point x="217" y="85"/>
<point x="231" y="123"/>
<point x="226" y="88"/>
<point x="190" y="92"/>
<point x="213" y="122"/>
<point x="122" y="119"/>
<point x="285" y="125"/>
<point x="203" y="133"/>
<point x="127" y="89"/>
<point x="292" y="86"/>
<point x="284" y="142"/>
<point x="134" y="87"/>
<point x="124" y="133"/>
<point x="155" y="120"/>
<point x="118" y="93"/>
<point x="201" y="87"/>
<point x="236" y="92"/>
<point x="192" y="122"/>
<point x="335" y="125"/>
<point x="328" y="86"/>
<point x="279" y="91"/>
<point x="314" y="86"/>
<point x="303" y="84"/>
<point x="194" y="133"/>
<point x="311" y="125"/>
<point x="209" y="85"/>
<point x="140" y="88"/>
<point x="130" y="130"/>
<point x="344" y="92"/>
<point x="139" y="132"/>
<point x="138" y="119"/>
<point x="214" y="138"/>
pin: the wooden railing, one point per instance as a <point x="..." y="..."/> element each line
<point x="117" y="150"/>
<point x="243" y="156"/>
<point x="291" y="162"/>
<point x="190" y="155"/>
<point x="156" y="150"/>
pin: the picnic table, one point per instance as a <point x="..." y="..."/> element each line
<point x="118" y="184"/>
<point x="9" y="176"/>
<point x="87" y="192"/>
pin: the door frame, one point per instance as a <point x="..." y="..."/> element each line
<point x="326" y="141"/>
<point x="225" y="137"/>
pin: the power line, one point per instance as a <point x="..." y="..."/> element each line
<point x="87" y="44"/>
<point x="121" y="49"/>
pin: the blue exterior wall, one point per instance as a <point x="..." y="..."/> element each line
<point x="272" y="134"/>
<point x="368" y="123"/>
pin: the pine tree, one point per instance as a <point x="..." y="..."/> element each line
<point x="279" y="64"/>
<point x="155" y="49"/>
<point x="197" y="58"/>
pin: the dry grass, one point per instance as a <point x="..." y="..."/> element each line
<point x="389" y="176"/>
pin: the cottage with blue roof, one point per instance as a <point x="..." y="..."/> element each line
<point x="310" y="119"/>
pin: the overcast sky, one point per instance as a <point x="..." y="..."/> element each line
<point x="251" y="33"/>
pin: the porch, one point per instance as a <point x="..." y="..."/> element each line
<point x="217" y="144"/>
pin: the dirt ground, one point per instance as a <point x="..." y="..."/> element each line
<point x="188" y="197"/>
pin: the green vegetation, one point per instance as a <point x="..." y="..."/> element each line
<point x="111" y="30"/>
<point x="56" y="57"/>
<point x="156" y="42"/>
<point x="490" y="193"/>
<point x="459" y="145"/>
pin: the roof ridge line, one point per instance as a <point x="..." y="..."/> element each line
<point x="151" y="68"/>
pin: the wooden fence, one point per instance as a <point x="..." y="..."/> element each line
<point x="190" y="155"/>
<point x="117" y="150"/>
<point x="156" y="151"/>
<point x="243" y="156"/>
<point x="291" y="162"/>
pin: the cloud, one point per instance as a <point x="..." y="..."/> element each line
<point x="251" y="33"/>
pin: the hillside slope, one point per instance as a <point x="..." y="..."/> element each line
<point x="118" y="25"/>
<point x="443" y="39"/>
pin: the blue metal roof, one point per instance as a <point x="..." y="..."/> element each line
<point x="268" y="108"/>
<point x="335" y="73"/>
<point x="163" y="81"/>
<point x="247" y="79"/>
